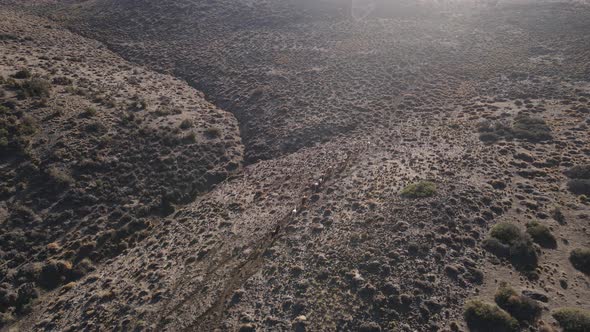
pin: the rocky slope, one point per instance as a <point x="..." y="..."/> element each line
<point x="94" y="150"/>
<point x="399" y="164"/>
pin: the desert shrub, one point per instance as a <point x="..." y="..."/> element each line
<point x="541" y="234"/>
<point x="53" y="247"/>
<point x="54" y="273"/>
<point x="14" y="132"/>
<point x="506" y="232"/>
<point x="33" y="88"/>
<point x="90" y="112"/>
<point x="186" y="124"/>
<point x="109" y="102"/>
<point x="22" y="74"/>
<point x="60" y="177"/>
<point x="419" y="190"/>
<point x="61" y="80"/>
<point x="213" y="132"/>
<point x="558" y="215"/>
<point x="523" y="254"/>
<point x="579" y="172"/>
<point x="485" y="317"/>
<point x="190" y="137"/>
<point x="489" y="137"/>
<point x="29" y="272"/>
<point x="82" y="268"/>
<point x="95" y="127"/>
<point x="497" y="247"/>
<point x="572" y="319"/>
<point x="520" y="307"/>
<point x="28" y="125"/>
<point x="579" y="186"/>
<point x="6" y="318"/>
<point x="138" y="103"/>
<point x="26" y="293"/>
<point x="507" y="240"/>
<point x="493" y="131"/>
<point x="530" y="128"/>
<point x="580" y="259"/>
<point x="257" y="92"/>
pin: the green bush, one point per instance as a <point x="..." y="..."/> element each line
<point x="90" y="112"/>
<point x="507" y="240"/>
<point x="497" y="247"/>
<point x="520" y="307"/>
<point x="572" y="319"/>
<point x="486" y="317"/>
<point x="532" y="129"/>
<point x="523" y="254"/>
<point x="419" y="190"/>
<point x="506" y="232"/>
<point x="541" y="234"/>
<point x="580" y="259"/>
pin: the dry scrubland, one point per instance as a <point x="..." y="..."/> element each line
<point x="423" y="169"/>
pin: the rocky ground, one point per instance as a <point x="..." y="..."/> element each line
<point x="95" y="151"/>
<point x="143" y="215"/>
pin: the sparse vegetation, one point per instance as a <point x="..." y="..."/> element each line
<point x="493" y="131"/>
<point x="580" y="259"/>
<point x="419" y="189"/>
<point x="486" y="317"/>
<point x="520" y="307"/>
<point x="524" y="127"/>
<point x="324" y="154"/>
<point x="541" y="234"/>
<point x="572" y="319"/>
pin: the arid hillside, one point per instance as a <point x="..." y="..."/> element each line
<point x="406" y="166"/>
<point x="295" y="76"/>
<point x="94" y="150"/>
